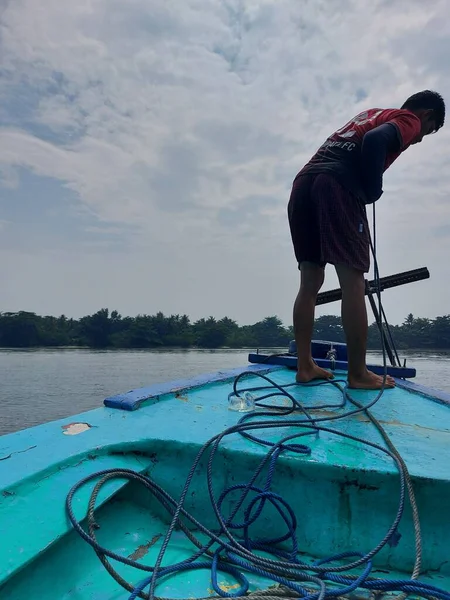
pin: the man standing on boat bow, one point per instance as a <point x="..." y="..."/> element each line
<point x="328" y="222"/>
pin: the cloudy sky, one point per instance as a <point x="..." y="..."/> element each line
<point x="148" y="147"/>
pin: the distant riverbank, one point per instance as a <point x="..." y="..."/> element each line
<point x="110" y="330"/>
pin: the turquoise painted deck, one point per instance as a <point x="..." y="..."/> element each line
<point x="344" y="495"/>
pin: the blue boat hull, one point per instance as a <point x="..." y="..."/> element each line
<point x="343" y="494"/>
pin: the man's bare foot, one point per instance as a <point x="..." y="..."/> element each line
<point x="311" y="372"/>
<point x="370" y="381"/>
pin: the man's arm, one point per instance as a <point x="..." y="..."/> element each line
<point x="376" y="144"/>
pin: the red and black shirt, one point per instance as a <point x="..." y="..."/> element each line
<point x="342" y="156"/>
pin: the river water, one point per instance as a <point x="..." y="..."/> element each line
<point x="37" y="386"/>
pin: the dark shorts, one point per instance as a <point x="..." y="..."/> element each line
<point x="328" y="224"/>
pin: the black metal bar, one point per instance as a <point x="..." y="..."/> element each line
<point x="376" y="314"/>
<point x="391" y="339"/>
<point x="385" y="283"/>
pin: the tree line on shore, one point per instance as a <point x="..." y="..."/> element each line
<point x="106" y="329"/>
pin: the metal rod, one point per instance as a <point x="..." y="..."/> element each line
<point x="385" y="283"/>
<point x="391" y="338"/>
<point x="376" y="314"/>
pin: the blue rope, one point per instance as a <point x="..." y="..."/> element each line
<point x="214" y="566"/>
<point x="231" y="547"/>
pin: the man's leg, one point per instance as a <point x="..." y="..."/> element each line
<point x="312" y="276"/>
<point x="354" y="321"/>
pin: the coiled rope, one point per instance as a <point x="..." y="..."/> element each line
<point x="227" y="552"/>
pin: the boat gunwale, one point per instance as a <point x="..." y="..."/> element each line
<point x="434" y="394"/>
<point x="134" y="399"/>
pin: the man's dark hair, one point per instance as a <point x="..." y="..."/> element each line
<point x="428" y="100"/>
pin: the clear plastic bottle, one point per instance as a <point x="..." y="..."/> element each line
<point x="245" y="402"/>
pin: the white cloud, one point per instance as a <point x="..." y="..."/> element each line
<point x="176" y="117"/>
<point x="8" y="176"/>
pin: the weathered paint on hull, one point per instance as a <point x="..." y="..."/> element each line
<point x="344" y="495"/>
